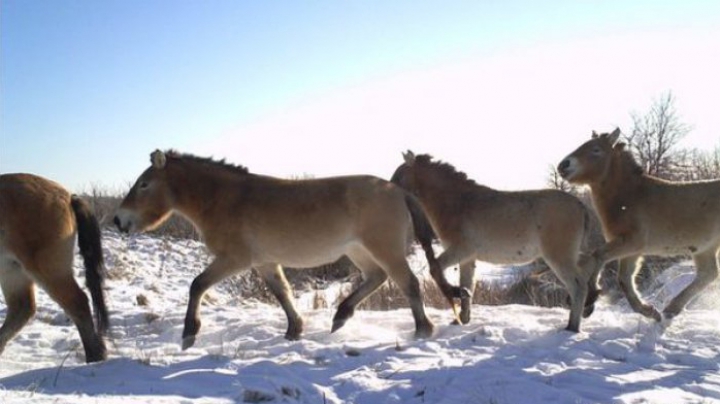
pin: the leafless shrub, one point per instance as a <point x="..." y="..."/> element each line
<point x="556" y="181"/>
<point x="695" y="165"/>
<point x="655" y="134"/>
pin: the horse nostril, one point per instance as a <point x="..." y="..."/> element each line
<point x="116" y="220"/>
<point x="564" y="165"/>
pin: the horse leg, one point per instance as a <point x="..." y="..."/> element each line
<point x="67" y="293"/>
<point x="399" y="271"/>
<point x="19" y="292"/>
<point x="627" y="270"/>
<point x="276" y="281"/>
<point x="621" y="247"/>
<point x="706" y="272"/>
<point x="451" y="256"/>
<point x="373" y="277"/>
<point x="218" y="270"/>
<point x="467" y="282"/>
<point x="577" y="286"/>
<point x="590" y="265"/>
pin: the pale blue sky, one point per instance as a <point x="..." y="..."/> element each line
<point x="90" y="88"/>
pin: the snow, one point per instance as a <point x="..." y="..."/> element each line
<point x="507" y="354"/>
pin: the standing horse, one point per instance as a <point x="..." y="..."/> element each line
<point x="641" y="214"/>
<point x="474" y="222"/>
<point x="256" y="221"/>
<point x="38" y="223"/>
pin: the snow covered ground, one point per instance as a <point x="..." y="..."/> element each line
<point x="507" y="354"/>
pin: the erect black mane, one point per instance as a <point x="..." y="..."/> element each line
<point x="446" y="168"/>
<point x="206" y="161"/>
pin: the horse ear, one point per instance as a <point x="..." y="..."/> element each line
<point x="594" y="135"/>
<point x="158" y="159"/>
<point x="409" y="157"/>
<point x="614" y="136"/>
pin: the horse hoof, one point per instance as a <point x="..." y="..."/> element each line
<point x="96" y="356"/>
<point x="294" y="330"/>
<point x="337" y="324"/>
<point x="588" y="310"/>
<point x="461" y="293"/>
<point x="573" y="328"/>
<point x="425" y="332"/>
<point x="188" y="341"/>
<point x="293" y="335"/>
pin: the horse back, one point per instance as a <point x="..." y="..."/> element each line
<point x="675" y="216"/>
<point x="528" y="214"/>
<point x="515" y="227"/>
<point x="305" y="222"/>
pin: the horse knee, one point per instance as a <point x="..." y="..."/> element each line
<point x="18" y="315"/>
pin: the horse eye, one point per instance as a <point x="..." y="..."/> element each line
<point x="144" y="185"/>
<point x="597" y="151"/>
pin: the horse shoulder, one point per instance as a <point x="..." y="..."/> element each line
<point x="618" y="216"/>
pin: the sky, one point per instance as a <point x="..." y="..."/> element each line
<point x="500" y="89"/>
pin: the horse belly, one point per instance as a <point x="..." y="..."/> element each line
<point x="670" y="246"/>
<point x="8" y="261"/>
<point x="301" y="252"/>
<point x="508" y="253"/>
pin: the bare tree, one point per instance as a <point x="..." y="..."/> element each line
<point x="693" y="165"/>
<point x="556" y="181"/>
<point x="655" y="133"/>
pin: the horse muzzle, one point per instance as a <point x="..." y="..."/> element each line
<point x="566" y="168"/>
<point x="123" y="222"/>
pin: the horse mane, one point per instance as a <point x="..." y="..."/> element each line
<point x="447" y="169"/>
<point x="206" y="162"/>
<point x="627" y="160"/>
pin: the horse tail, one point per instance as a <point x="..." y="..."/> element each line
<point x="425" y="235"/>
<point x="91" y="251"/>
<point x="424" y="232"/>
<point x="596" y="267"/>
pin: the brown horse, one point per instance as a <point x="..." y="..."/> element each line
<point x="38" y="223"/>
<point x="474" y="222"/>
<point x="256" y="221"/>
<point x="641" y="214"/>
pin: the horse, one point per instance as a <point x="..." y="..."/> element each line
<point x="255" y="221"/>
<point x="644" y="215"/>
<point x="475" y="222"/>
<point x="39" y="220"/>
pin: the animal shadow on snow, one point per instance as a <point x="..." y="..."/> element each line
<point x="561" y="367"/>
<point x="557" y="366"/>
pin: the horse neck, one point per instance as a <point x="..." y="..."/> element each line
<point x="617" y="187"/>
<point x="438" y="190"/>
<point x="194" y="190"/>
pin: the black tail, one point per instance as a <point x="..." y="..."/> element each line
<point x="588" y="247"/>
<point x="91" y="251"/>
<point x="425" y="235"/>
<point x="424" y="232"/>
